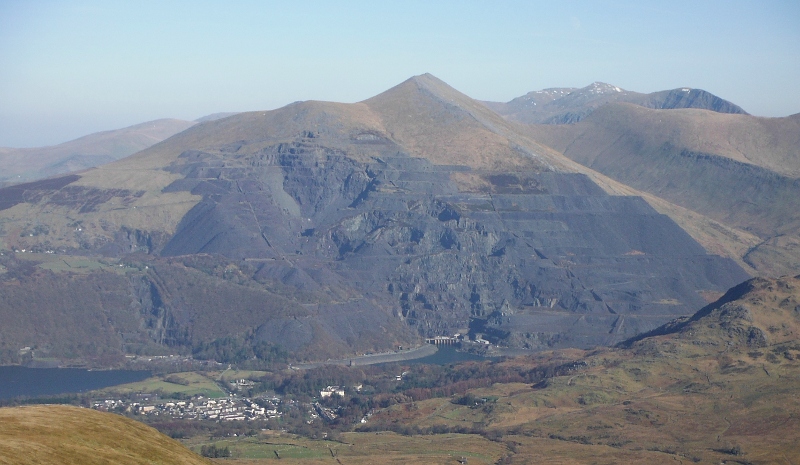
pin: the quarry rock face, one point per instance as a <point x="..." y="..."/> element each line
<point x="529" y="259"/>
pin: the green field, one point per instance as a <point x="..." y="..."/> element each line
<point x="265" y="448"/>
<point x="232" y="375"/>
<point x="197" y="384"/>
<point x="74" y="264"/>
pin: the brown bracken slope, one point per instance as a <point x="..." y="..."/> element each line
<point x="55" y="434"/>
<point x="719" y="387"/>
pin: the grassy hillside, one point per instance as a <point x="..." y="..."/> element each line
<point x="720" y="386"/>
<point x="70" y="435"/>
<point x="766" y="142"/>
<point x="739" y="170"/>
<point x="435" y="121"/>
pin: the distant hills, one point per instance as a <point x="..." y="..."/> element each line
<point x="324" y="229"/>
<point x="320" y="230"/>
<point x="569" y="105"/>
<point x="29" y="164"/>
<point x="704" y="154"/>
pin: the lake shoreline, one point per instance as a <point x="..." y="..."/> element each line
<point x="373" y="359"/>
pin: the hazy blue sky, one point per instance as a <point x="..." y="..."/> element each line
<point x="71" y="68"/>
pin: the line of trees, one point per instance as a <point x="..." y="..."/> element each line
<point x="214" y="452"/>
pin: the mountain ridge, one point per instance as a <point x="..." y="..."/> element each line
<point x="30" y="164"/>
<point x="570" y="105"/>
<point x="743" y="315"/>
<point x="739" y="170"/>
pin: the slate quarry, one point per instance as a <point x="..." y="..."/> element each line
<point x="530" y="259"/>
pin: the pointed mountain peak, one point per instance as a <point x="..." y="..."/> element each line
<point x="426" y="83"/>
<point x="440" y="123"/>
<point x="426" y="79"/>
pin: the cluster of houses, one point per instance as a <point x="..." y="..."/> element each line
<point x="326" y="413"/>
<point x="231" y="408"/>
<point x="331" y="390"/>
<point x="224" y="409"/>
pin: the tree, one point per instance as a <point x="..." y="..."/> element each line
<point x="214" y="452"/>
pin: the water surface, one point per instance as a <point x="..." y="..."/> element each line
<point x="18" y="381"/>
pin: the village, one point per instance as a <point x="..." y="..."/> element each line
<point x="232" y="408"/>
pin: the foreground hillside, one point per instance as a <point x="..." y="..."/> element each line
<point x="30" y="164"/>
<point x="69" y="435"/>
<point x="324" y="229"/>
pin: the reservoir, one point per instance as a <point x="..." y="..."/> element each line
<point x="18" y="381"/>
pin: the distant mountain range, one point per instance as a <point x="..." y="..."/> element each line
<point x="30" y="164"/>
<point x="568" y="105"/>
<point x="327" y="228"/>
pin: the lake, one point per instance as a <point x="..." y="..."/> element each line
<point x="35" y="382"/>
<point x="18" y="381"/>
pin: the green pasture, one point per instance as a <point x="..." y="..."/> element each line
<point x="74" y="264"/>
<point x="196" y="384"/>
